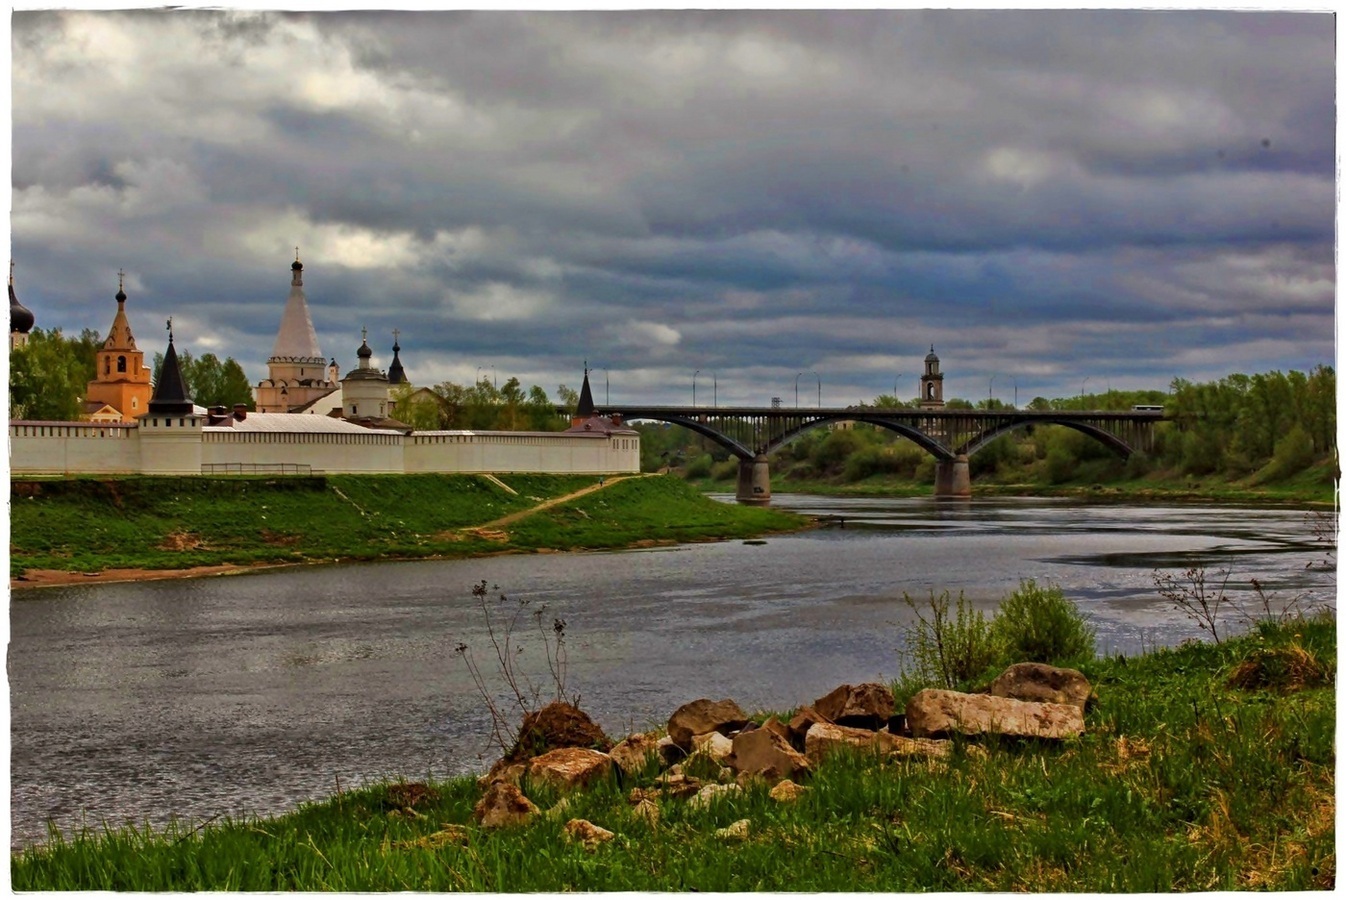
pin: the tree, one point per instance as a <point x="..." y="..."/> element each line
<point x="211" y="382"/>
<point x="48" y="378"/>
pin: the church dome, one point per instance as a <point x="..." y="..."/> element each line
<point x="931" y="357"/>
<point x="296" y="266"/>
<point x="21" y="318"/>
<point x="364" y="352"/>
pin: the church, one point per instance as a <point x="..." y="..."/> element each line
<point x="308" y="420"/>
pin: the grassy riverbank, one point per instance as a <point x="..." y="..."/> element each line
<point x="1181" y="782"/>
<point x="1315" y="486"/>
<point x="92" y="524"/>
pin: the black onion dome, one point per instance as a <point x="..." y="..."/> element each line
<point x="21" y="318"/>
<point x="396" y="374"/>
<point x="364" y="352"/>
<point x="121" y="296"/>
<point x="296" y="266"/>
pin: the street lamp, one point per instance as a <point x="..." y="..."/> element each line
<point x="479" y="368"/>
<point x="714" y="390"/>
<point x="1082" y="384"/>
<point x="820" y="387"/>
<point x="797" y="390"/>
<point x="895" y="397"/>
<point x="607" y="387"/>
<point x="694" y="374"/>
<point x="990" y="392"/>
<point x="1016" y="391"/>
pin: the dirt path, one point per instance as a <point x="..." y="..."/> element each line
<point x="510" y="519"/>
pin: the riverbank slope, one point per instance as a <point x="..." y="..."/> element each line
<point x="1204" y="767"/>
<point x="61" y="529"/>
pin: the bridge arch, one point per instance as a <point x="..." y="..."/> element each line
<point x="1107" y="438"/>
<point x="911" y="433"/>
<point x="705" y="430"/>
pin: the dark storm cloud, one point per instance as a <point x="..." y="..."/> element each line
<point x="1047" y="196"/>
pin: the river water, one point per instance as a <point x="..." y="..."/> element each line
<point x="246" y="695"/>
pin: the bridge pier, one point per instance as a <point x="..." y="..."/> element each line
<point x="754" y="481"/>
<point x="953" y="479"/>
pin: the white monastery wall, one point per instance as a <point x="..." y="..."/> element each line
<point x="62" y="448"/>
<point x="69" y="448"/>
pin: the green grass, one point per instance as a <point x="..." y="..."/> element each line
<point x="91" y="524"/>
<point x="1181" y="782"/>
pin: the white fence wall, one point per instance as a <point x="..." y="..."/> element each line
<point x="72" y="448"/>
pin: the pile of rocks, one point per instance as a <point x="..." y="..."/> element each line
<point x="1028" y="700"/>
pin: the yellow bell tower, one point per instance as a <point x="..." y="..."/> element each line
<point x="122" y="380"/>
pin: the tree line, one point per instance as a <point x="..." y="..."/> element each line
<point x="481" y="407"/>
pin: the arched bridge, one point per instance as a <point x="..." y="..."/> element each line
<point x="950" y="435"/>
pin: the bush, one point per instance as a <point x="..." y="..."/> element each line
<point x="949" y="649"/>
<point x="724" y="471"/>
<point x="699" y="467"/>
<point x="1039" y="624"/>
<point x="879" y="461"/>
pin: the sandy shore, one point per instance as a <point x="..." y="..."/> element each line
<point x="37" y="578"/>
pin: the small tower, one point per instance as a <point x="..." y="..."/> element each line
<point x="932" y="383"/>
<point x="170" y="432"/>
<point x="584" y="410"/>
<point x="396" y="375"/>
<point x="364" y="390"/>
<point x="21" y="318"/>
<point x="121" y="378"/>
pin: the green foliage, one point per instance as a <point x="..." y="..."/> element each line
<point x="1294" y="454"/>
<point x="48" y="377"/>
<point x="1039" y="624"/>
<point x="700" y="466"/>
<point x="948" y="648"/>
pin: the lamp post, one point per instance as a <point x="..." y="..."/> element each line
<point x="990" y="392"/>
<point x="1082" y="384"/>
<point x="820" y="388"/>
<point x="607" y="387"/>
<point x="896" y="399"/>
<point x="797" y="390"/>
<point x="694" y="374"/>
<point x="1016" y="391"/>
<point x="478" y="380"/>
<point x="714" y="390"/>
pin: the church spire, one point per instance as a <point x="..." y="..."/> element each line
<point x="585" y="408"/>
<point x="119" y="336"/>
<point x="396" y="375"/>
<point x="296" y="341"/>
<point x="170" y="391"/>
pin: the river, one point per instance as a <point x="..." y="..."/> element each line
<point x="246" y="695"/>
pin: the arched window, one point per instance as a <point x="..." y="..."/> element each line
<point x="121" y="364"/>
<point x="930" y="391"/>
<point x="107" y="365"/>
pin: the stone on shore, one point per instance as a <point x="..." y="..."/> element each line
<point x="866" y="705"/>
<point x="715" y="745"/>
<point x="764" y="752"/>
<point x="934" y="713"/>
<point x="554" y="726"/>
<point x="1041" y="683"/>
<point x="582" y="831"/>
<point x="702" y="717"/>
<point x="636" y="752"/>
<point x="502" y="806"/>
<point x="787" y="791"/>
<point x="800" y="724"/>
<point x="736" y="832"/>
<point x="569" y="767"/>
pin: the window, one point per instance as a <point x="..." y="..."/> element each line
<point x="121" y="364"/>
<point x="107" y="365"/>
<point x="135" y="403"/>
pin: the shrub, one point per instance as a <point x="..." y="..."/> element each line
<point x="724" y="471"/>
<point x="699" y="467"/>
<point x="1039" y="624"/>
<point x="949" y="649"/>
<point x="1281" y="669"/>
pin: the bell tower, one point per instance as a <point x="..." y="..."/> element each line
<point x="932" y="383"/>
<point x="121" y="380"/>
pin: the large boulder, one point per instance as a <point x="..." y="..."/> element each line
<point x="569" y="767"/>
<point x="553" y="726"/>
<point x="715" y="745"/>
<point x="825" y="738"/>
<point x="1041" y="683"/>
<point x="503" y="805"/>
<point x="935" y="713"/>
<point x="765" y="753"/>
<point x="586" y="833"/>
<point x="636" y="752"/>
<point x="857" y="705"/>
<point x="702" y="717"/>
<point x="803" y="719"/>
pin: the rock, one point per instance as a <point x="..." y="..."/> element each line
<point x="778" y="727"/>
<point x="901" y="745"/>
<point x="678" y="786"/>
<point x="715" y="745"/>
<point x="569" y="767"/>
<point x="935" y="712"/>
<point x="824" y="738"/>
<point x="787" y="791"/>
<point x="711" y="791"/>
<point x="558" y="809"/>
<point x="764" y="752"/>
<point x="669" y="751"/>
<point x="647" y="810"/>
<point x="857" y="706"/>
<point x="702" y="717"/>
<point x="554" y="726"/>
<point x="451" y="834"/>
<point x="582" y="831"/>
<point x="636" y="752"/>
<point x="736" y="832"/>
<point x="1041" y="683"/>
<point x="800" y="724"/>
<point x="502" y="806"/>
<point x="503" y="770"/>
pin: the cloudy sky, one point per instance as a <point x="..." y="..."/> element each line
<point x="1061" y="200"/>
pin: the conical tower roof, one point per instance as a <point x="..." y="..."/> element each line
<point x="296" y="340"/>
<point x="119" y="336"/>
<point x="170" y="393"/>
<point x="396" y="375"/>
<point x="586" y="404"/>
